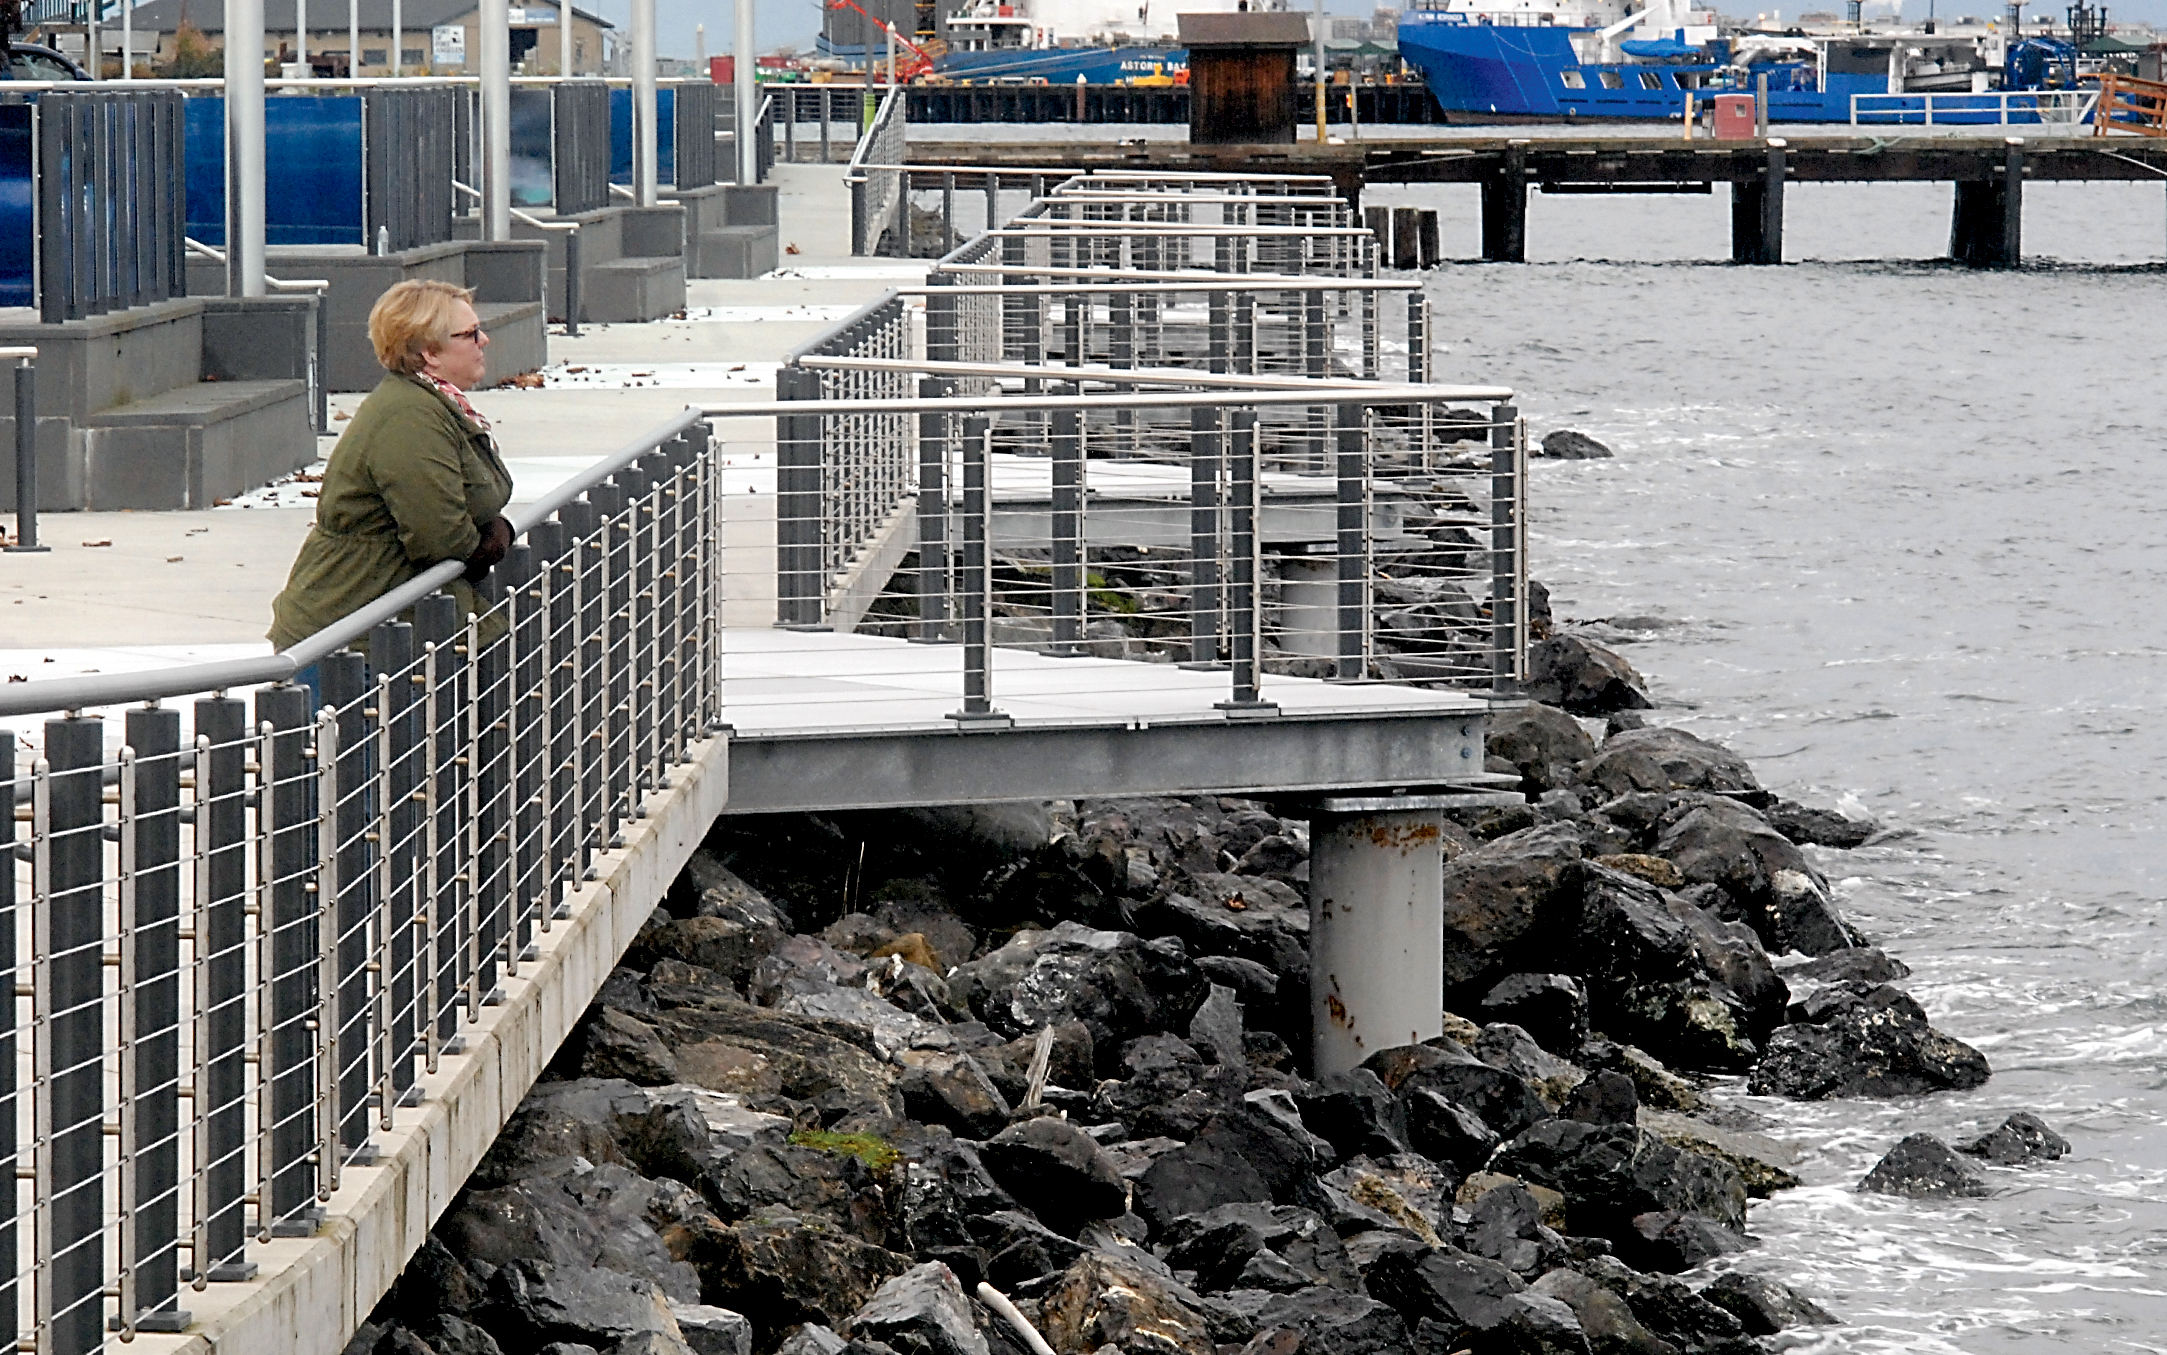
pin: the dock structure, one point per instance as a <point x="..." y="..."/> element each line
<point x="1987" y="173"/>
<point x="1146" y="490"/>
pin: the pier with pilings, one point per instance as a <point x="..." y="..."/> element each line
<point x="1987" y="173"/>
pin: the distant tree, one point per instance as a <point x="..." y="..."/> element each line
<point x="193" y="55"/>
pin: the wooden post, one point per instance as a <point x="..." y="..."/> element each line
<point x="1504" y="208"/>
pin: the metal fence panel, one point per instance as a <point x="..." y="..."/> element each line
<point x="581" y="140"/>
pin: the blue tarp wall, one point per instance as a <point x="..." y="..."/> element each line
<point x="620" y="136"/>
<point x="312" y="164"/>
<point x="18" y="210"/>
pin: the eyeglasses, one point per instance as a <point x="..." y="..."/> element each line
<point x="472" y="335"/>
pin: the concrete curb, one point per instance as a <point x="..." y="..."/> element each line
<point x="315" y="1291"/>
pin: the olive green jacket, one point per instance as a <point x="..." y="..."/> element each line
<point x="407" y="487"/>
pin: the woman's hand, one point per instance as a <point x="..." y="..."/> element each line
<point x="496" y="539"/>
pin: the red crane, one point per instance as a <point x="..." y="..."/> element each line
<point x="919" y="61"/>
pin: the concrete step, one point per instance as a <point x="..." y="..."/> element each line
<point x="196" y="444"/>
<point x="646" y="287"/>
<point x="735" y="252"/>
<point x="518" y="338"/>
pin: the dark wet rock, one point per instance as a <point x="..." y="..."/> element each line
<point x="1246" y="1153"/>
<point x="1604" y="1097"/>
<point x="1334" y="1322"/>
<point x="1117" y="984"/>
<point x="1669" y="1308"/>
<point x="713" y="1331"/>
<point x="568" y="1348"/>
<point x="1056" y="1169"/>
<point x="1406" y="1191"/>
<point x="1569" y="444"/>
<point x="1506" y="1046"/>
<point x="1671" y="1241"/>
<point x="1611" y="1173"/>
<point x="1506" y="1226"/>
<point x="1541" y="1325"/>
<point x="1103" y="1300"/>
<point x="450" y="1335"/>
<point x="949" y="1087"/>
<point x="1521" y="888"/>
<point x="920" y="906"/>
<point x="1658" y="759"/>
<point x="1859" y="1039"/>
<point x="1731" y="956"/>
<point x="1542" y="743"/>
<point x="1249" y="980"/>
<point x="1502" y="1100"/>
<point x="1646" y="978"/>
<point x="626" y="990"/>
<point x="1864" y="964"/>
<point x="533" y="1303"/>
<point x="803" y="965"/>
<point x="1446" y="1131"/>
<point x="1465" y="1292"/>
<point x="437" y="1281"/>
<point x="1553" y="1008"/>
<point x="1584" y="677"/>
<point x="1606" y="1320"/>
<point x="731" y="1046"/>
<point x="1654" y="1083"/>
<point x="2023" y="1137"/>
<point x="1020" y="1248"/>
<point x="1216" y="1029"/>
<point x="1924" y="1168"/>
<point x="529" y="1220"/>
<point x="1808" y="826"/>
<point x="1780" y="895"/>
<point x="1263" y="920"/>
<point x="780" y="1270"/>
<point x="1654" y="869"/>
<point x="1257" y="1246"/>
<point x="730" y="947"/>
<point x="923" y="1311"/>
<point x="1763" y="1163"/>
<point x="1764" y="1306"/>
<point x="1356" y="1113"/>
<point x="615" y="1044"/>
<point x="1278" y="856"/>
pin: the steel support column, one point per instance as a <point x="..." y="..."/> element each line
<point x="1376" y="928"/>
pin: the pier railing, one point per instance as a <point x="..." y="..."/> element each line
<point x="1995" y="108"/>
<point x="879" y="206"/>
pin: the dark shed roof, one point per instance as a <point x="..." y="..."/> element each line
<point x="1243" y="30"/>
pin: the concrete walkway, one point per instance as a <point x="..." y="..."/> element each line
<point x="141" y="589"/>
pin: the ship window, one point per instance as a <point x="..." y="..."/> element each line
<point x="1612" y="80"/>
<point x="1573" y="79"/>
<point x="1650" y="80"/>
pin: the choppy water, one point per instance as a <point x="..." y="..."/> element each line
<point x="1909" y="521"/>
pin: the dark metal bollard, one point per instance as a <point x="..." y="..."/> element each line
<point x="572" y="266"/>
<point x="68" y="979"/>
<point x="932" y="514"/>
<point x="288" y="1083"/>
<point x="221" y="959"/>
<point x="26" y="449"/>
<point x="1353" y="566"/>
<point x="1243" y="619"/>
<point x="155" y="736"/>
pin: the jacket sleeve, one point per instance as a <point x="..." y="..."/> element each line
<point x="423" y="485"/>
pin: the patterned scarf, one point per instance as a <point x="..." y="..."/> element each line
<point x="456" y="396"/>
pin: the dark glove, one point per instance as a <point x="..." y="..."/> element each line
<point x="496" y="539"/>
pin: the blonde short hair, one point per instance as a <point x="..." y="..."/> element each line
<point x="412" y="320"/>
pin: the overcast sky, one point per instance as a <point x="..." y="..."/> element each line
<point x="793" y="23"/>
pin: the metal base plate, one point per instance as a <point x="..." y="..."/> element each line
<point x="304" y="1223"/>
<point x="164" y="1320"/>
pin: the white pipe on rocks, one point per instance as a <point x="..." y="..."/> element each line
<point x="646" y="146"/>
<point x="745" y="93"/>
<point x="244" y="148"/>
<point x="1376" y="928"/>
<point x="495" y="23"/>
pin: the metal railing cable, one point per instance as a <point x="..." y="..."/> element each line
<point x="879" y="203"/>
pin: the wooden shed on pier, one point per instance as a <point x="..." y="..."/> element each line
<point x="1241" y="76"/>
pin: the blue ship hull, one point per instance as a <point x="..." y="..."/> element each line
<point x="1062" y="65"/>
<point x="1483" y="72"/>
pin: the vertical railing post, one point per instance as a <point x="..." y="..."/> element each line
<point x="155" y="735"/>
<point x="1244" y="622"/>
<point x="10" y="1272"/>
<point x="391" y="654"/>
<point x="933" y="433"/>
<point x="1204" y="508"/>
<point x="324" y="1025"/>
<point x="1352" y="475"/>
<point x="1068" y="529"/>
<point x="69" y="955"/>
<point x="289" y="1080"/>
<point x="976" y="591"/>
<point x="220" y="960"/>
<point x="345" y="912"/>
<point x="800" y="589"/>
<point x="26" y="459"/>
<point x="1504" y="547"/>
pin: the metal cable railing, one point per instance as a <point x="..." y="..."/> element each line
<point x="879" y="205"/>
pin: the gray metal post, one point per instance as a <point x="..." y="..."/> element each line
<point x="1352" y="473"/>
<point x="645" y="141"/>
<point x="1243" y="615"/>
<point x="948" y="213"/>
<point x="10" y="1286"/>
<point x="565" y="63"/>
<point x="1772" y="203"/>
<point x="800" y="590"/>
<point x="932" y="513"/>
<point x="26" y="457"/>
<point x="1504" y="548"/>
<point x="495" y="39"/>
<point x="975" y="592"/>
<point x="1068" y="529"/>
<point x="220" y="963"/>
<point x="827" y="127"/>
<point x="747" y="92"/>
<point x="1376" y="928"/>
<point x="289" y="793"/>
<point x="68" y="956"/>
<point x="244" y="151"/>
<point x="155" y="735"/>
<point x="1760" y="104"/>
<point x="346" y="683"/>
<point x="1204" y="599"/>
